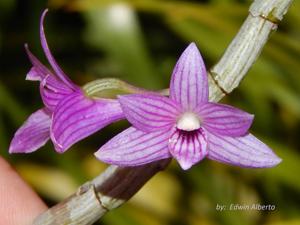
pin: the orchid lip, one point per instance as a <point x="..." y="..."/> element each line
<point x="188" y="121"/>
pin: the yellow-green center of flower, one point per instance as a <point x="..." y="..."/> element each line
<point x="188" y="121"/>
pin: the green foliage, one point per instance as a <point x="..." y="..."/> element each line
<point x="139" y="41"/>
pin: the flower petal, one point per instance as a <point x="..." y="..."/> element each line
<point x="224" y="119"/>
<point x="188" y="147"/>
<point x="77" y="117"/>
<point x="61" y="75"/>
<point x="52" y="91"/>
<point x="38" y="72"/>
<point x="149" y="112"/>
<point x="33" y="134"/>
<point x="133" y="147"/>
<point x="33" y="75"/>
<point x="189" y="84"/>
<point x="246" y="151"/>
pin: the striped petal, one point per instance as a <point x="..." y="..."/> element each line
<point x="188" y="147"/>
<point x="189" y="85"/>
<point x="51" y="88"/>
<point x="33" y="134"/>
<point x="246" y="151"/>
<point x="149" y="112"/>
<point x="38" y="72"/>
<point x="133" y="147"/>
<point x="224" y="119"/>
<point x="77" y="117"/>
<point x="60" y="74"/>
<point x="52" y="91"/>
<point x="33" y="75"/>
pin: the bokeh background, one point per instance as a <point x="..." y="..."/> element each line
<point x="139" y="41"/>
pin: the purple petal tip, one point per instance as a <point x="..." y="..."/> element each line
<point x="189" y="85"/>
<point x="192" y="48"/>
<point x="44" y="12"/>
<point x="192" y="45"/>
<point x="275" y="161"/>
<point x="59" y="148"/>
<point x="103" y="156"/>
<point x="246" y="151"/>
<point x="33" y="134"/>
<point x="185" y="165"/>
<point x="56" y="68"/>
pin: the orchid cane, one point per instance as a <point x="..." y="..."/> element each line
<point x="185" y="126"/>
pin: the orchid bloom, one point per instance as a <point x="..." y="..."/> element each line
<point x="185" y="126"/>
<point x="68" y="115"/>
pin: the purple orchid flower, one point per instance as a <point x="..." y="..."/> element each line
<point x="185" y="126"/>
<point x="68" y="115"/>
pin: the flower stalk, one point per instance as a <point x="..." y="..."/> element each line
<point x="111" y="87"/>
<point x="116" y="185"/>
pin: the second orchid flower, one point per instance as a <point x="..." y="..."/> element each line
<point x="68" y="116"/>
<point x="186" y="125"/>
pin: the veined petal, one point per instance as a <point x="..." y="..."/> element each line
<point x="52" y="91"/>
<point x="188" y="147"/>
<point x="224" y="119"/>
<point x="77" y="117"/>
<point x="33" y="75"/>
<point x="61" y="75"/>
<point x="133" y="147"/>
<point x="33" y="134"/>
<point x="51" y="88"/>
<point x="189" y="84"/>
<point x="246" y="151"/>
<point x="149" y="112"/>
<point x="38" y="72"/>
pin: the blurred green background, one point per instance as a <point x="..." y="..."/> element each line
<point x="139" y="41"/>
